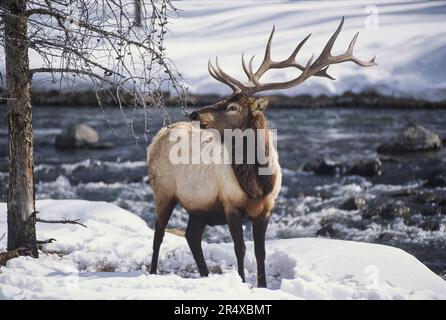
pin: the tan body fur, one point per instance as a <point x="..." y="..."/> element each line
<point x="202" y="188"/>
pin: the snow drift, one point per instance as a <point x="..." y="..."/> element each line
<point x="109" y="259"/>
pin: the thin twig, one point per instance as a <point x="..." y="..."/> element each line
<point x="50" y="240"/>
<point x="64" y="221"/>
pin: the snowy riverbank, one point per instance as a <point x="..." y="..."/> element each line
<point x="119" y="241"/>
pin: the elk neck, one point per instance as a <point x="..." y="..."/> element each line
<point x="255" y="185"/>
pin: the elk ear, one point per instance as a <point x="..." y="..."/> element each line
<point x="259" y="104"/>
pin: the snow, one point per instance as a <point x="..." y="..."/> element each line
<point x="407" y="37"/>
<point x="119" y="241"/>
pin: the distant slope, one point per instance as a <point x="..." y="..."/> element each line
<point x="410" y="42"/>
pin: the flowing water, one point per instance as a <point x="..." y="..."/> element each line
<point x="308" y="204"/>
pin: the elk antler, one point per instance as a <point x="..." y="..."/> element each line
<point x="317" y="68"/>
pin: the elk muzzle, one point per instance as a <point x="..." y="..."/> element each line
<point x="204" y="117"/>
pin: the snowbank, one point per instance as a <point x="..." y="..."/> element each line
<point x="406" y="36"/>
<point x="117" y="240"/>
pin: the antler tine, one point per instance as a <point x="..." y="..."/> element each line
<point x="308" y="66"/>
<point x="245" y="68"/>
<point x="250" y="64"/>
<point x="292" y="57"/>
<point x="265" y="65"/>
<point x="213" y="72"/>
<point x="352" y="58"/>
<point x="268" y="45"/>
<point x="326" y="52"/>
<point x="228" y="78"/>
<point x="323" y="74"/>
<point x="327" y="58"/>
<point x="352" y="43"/>
<point x="248" y="68"/>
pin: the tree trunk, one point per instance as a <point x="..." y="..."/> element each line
<point x="138" y="13"/>
<point x="21" y="207"/>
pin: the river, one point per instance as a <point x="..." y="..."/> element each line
<point x="308" y="204"/>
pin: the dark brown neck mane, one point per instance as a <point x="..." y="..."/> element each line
<point x="254" y="185"/>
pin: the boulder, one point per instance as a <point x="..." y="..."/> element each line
<point x="362" y="167"/>
<point x="432" y="224"/>
<point x="436" y="181"/>
<point x="77" y="135"/>
<point x="386" y="209"/>
<point x="414" y="138"/>
<point x="323" y="167"/>
<point x="353" y="203"/>
<point x="431" y="203"/>
<point x="326" y="230"/>
<point x="366" y="168"/>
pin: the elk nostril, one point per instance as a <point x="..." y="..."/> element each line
<point x="193" y="116"/>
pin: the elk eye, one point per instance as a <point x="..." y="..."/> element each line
<point x="232" y="107"/>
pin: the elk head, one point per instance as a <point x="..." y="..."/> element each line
<point x="242" y="106"/>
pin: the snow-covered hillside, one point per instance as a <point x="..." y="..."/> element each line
<point x="117" y="240"/>
<point x="408" y="38"/>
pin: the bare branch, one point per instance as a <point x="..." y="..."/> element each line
<point x="102" y="42"/>
<point x="64" y="221"/>
<point x="41" y="242"/>
<point x="66" y="70"/>
<point x="104" y="33"/>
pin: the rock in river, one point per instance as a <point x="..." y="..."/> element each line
<point x="413" y="139"/>
<point x="353" y="203"/>
<point x="323" y="167"/>
<point x="361" y="167"/>
<point x="382" y="208"/>
<point x="77" y="136"/>
<point x="436" y="181"/>
<point x="366" y="168"/>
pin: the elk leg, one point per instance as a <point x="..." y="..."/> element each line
<point x="194" y="232"/>
<point x="259" y="226"/>
<point x="163" y="213"/>
<point x="235" y="227"/>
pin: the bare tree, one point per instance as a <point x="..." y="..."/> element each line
<point x="138" y="13"/>
<point x="101" y="42"/>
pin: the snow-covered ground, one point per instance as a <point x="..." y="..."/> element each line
<point x="408" y="38"/>
<point x="119" y="241"/>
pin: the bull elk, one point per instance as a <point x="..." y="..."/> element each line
<point x="227" y="193"/>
